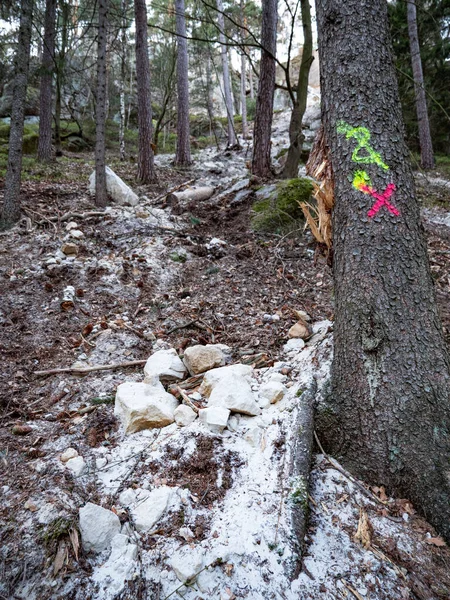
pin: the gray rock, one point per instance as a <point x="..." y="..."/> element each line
<point x="144" y="405"/>
<point x="184" y="415"/>
<point x="167" y="365"/>
<point x="76" y="465"/>
<point x="98" y="526"/>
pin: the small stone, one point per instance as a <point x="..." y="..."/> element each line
<point x="215" y="418"/>
<point x="98" y="526"/>
<point x="22" y="429"/>
<point x="167" y="365"/>
<point x="294" y="345"/>
<point x="31" y="506"/>
<point x="233" y="423"/>
<point x="253" y="436"/>
<point x="235" y="393"/>
<point x="184" y="415"/>
<point x="68" y="454"/>
<point x="69" y="249"/>
<point x="186" y="564"/>
<point x="71" y="225"/>
<point x="76" y="465"/>
<point x="300" y="330"/>
<point x="146" y="507"/>
<point x="273" y="391"/>
<point x="199" y="359"/>
<point x="76" y="234"/>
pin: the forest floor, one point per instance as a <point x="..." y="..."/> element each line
<point x="144" y="279"/>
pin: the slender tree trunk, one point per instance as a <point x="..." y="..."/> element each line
<point x="266" y="89"/>
<point x="11" y="199"/>
<point x="101" y="196"/>
<point x="60" y="65"/>
<point x="146" y="168"/>
<point x="44" y="153"/>
<point x="296" y="136"/>
<point x="244" y="97"/>
<point x="389" y="412"/>
<point x="209" y="101"/>
<point x="232" y="140"/>
<point x="123" y="74"/>
<point x="250" y="77"/>
<point x="426" y="145"/>
<point x="183" y="153"/>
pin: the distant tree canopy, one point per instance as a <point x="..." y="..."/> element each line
<point x="433" y="17"/>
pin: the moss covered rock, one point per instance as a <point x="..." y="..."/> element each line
<point x="279" y="208"/>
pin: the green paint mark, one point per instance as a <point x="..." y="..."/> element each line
<point x="361" y="179"/>
<point x="362" y="136"/>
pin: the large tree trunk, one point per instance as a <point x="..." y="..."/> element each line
<point x="389" y="418"/>
<point x="426" y="145"/>
<point x="11" y="198"/>
<point x="183" y="154"/>
<point x="146" y="168"/>
<point x="296" y="136"/>
<point x="266" y="89"/>
<point x="44" y="152"/>
<point x="101" y="196"/>
<point x="60" y="65"/>
<point x="123" y="74"/>
<point x="232" y="140"/>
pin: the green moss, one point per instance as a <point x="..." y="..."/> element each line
<point x="178" y="257"/>
<point x="282" y="208"/>
<point x="56" y="529"/>
<point x="299" y="492"/>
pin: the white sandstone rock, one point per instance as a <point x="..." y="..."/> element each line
<point x="215" y="376"/>
<point x="167" y="365"/>
<point x="186" y="564"/>
<point x="199" y="359"/>
<point x="76" y="465"/>
<point x="215" y="418"/>
<point x="144" y="405"/>
<point x="273" y="391"/>
<point x="98" y="526"/>
<point x="68" y="454"/>
<point x="235" y="393"/>
<point x="184" y="415"/>
<point x="120" y="566"/>
<point x="146" y="507"/>
<point x="119" y="191"/>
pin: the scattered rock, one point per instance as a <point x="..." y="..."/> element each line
<point x="76" y="465"/>
<point x="214" y="377"/>
<point x="120" y="566"/>
<point x="69" y="249"/>
<point x="186" y="564"/>
<point x="98" y="526"/>
<point x="167" y="365"/>
<point x="273" y="391"/>
<point x="119" y="191"/>
<point x="235" y="393"/>
<point x="253" y="436"/>
<point x="294" y="345"/>
<point x="215" y="418"/>
<point x="184" y="415"/>
<point x="147" y="507"/>
<point x="76" y="234"/>
<point x="22" y="429"/>
<point x="300" y="330"/>
<point x="199" y="359"/>
<point x="68" y="454"/>
<point x="144" y="405"/>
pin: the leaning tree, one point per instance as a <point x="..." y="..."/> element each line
<point x="389" y="413"/>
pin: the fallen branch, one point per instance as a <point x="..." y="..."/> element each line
<point x="186" y="400"/>
<point x="175" y="189"/>
<point x="84" y="370"/>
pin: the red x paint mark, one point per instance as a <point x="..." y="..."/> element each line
<point x="382" y="199"/>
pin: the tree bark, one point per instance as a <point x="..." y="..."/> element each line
<point x="44" y="152"/>
<point x="389" y="418"/>
<point x="266" y="88"/>
<point x="426" y="145"/>
<point x="183" y="153"/>
<point x="232" y="139"/>
<point x="60" y="65"/>
<point x="123" y="74"/>
<point x="296" y="136"/>
<point x="146" y="168"/>
<point x="101" y="196"/>
<point x="11" y="198"/>
<point x="244" y="97"/>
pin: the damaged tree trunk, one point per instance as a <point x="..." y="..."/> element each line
<point x="389" y="415"/>
<point x="195" y="195"/>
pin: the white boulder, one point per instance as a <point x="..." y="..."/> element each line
<point x="186" y="564"/>
<point x="98" y="526"/>
<point x="144" y="405"/>
<point x="146" y="507"/>
<point x="235" y="393"/>
<point x="215" y="418"/>
<point x="272" y="391"/>
<point x="199" y="359"/>
<point x="167" y="365"/>
<point x="184" y="415"/>
<point x="215" y="376"/>
<point x="119" y="191"/>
